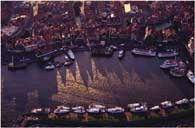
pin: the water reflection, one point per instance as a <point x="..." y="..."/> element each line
<point x="99" y="88"/>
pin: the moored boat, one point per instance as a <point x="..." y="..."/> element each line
<point x="50" y="67"/>
<point x="192" y="100"/>
<point x="95" y="110"/>
<point x="62" y="110"/>
<point x="115" y="110"/>
<point x="168" y="54"/>
<point x="169" y="64"/>
<point x="190" y="75"/>
<point x="71" y="54"/>
<point x="184" y="101"/>
<point x="78" y="109"/>
<point x="166" y="104"/>
<point x="178" y="72"/>
<point x="97" y="106"/>
<point x="67" y="63"/>
<point x="155" y="108"/>
<point x="121" y="54"/>
<point x="14" y="66"/>
<point x="143" y="52"/>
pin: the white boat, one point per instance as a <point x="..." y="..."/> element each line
<point x="121" y="53"/>
<point x="139" y="109"/>
<point x="122" y="44"/>
<point x="71" y="54"/>
<point x="61" y="110"/>
<point x="143" y="52"/>
<point x="49" y="67"/>
<point x="155" y="108"/>
<point x="113" y="47"/>
<point x="133" y="105"/>
<point x="178" y="72"/>
<point x="181" y="102"/>
<point x="68" y="62"/>
<point x="95" y="110"/>
<point x="169" y="64"/>
<point x="78" y="108"/>
<point x="79" y="111"/>
<point x="192" y="100"/>
<point x="115" y="110"/>
<point x="168" y="54"/>
<point x="166" y="104"/>
<point x="46" y="58"/>
<point x="37" y="110"/>
<point x="66" y="57"/>
<point x="97" y="106"/>
<point x="63" y="107"/>
<point x="190" y="75"/>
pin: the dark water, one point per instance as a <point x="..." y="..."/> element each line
<point x="145" y="82"/>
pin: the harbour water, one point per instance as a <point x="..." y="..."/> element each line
<point x="108" y="81"/>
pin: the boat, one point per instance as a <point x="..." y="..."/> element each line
<point x="27" y="60"/>
<point x="66" y="57"/>
<point x="155" y="108"/>
<point x="192" y="100"/>
<point x="182" y="102"/>
<point x="166" y="104"/>
<point x="14" y="66"/>
<point x="46" y="58"/>
<point x="47" y="110"/>
<point x="71" y="54"/>
<point x="139" y="109"/>
<point x="95" y="110"/>
<point x="37" y="110"/>
<point x="143" y="52"/>
<point x="108" y="52"/>
<point x="178" y="72"/>
<point x="67" y="63"/>
<point x="58" y="64"/>
<point x="168" y="54"/>
<point x="50" y="67"/>
<point x="115" y="110"/>
<point x="190" y="75"/>
<point x="79" y="109"/>
<point x="121" y="54"/>
<point x="113" y="47"/>
<point x="62" y="110"/>
<point x="122" y="44"/>
<point x="181" y="64"/>
<point x="133" y="105"/>
<point x="169" y="64"/>
<point x="97" y="106"/>
<point x="63" y="107"/>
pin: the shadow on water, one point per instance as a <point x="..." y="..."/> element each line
<point x="156" y="85"/>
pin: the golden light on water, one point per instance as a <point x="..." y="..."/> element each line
<point x="99" y="88"/>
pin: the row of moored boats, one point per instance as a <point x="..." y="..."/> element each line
<point x="68" y="60"/>
<point x="178" y="68"/>
<point x="153" y="53"/>
<point x="99" y="109"/>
